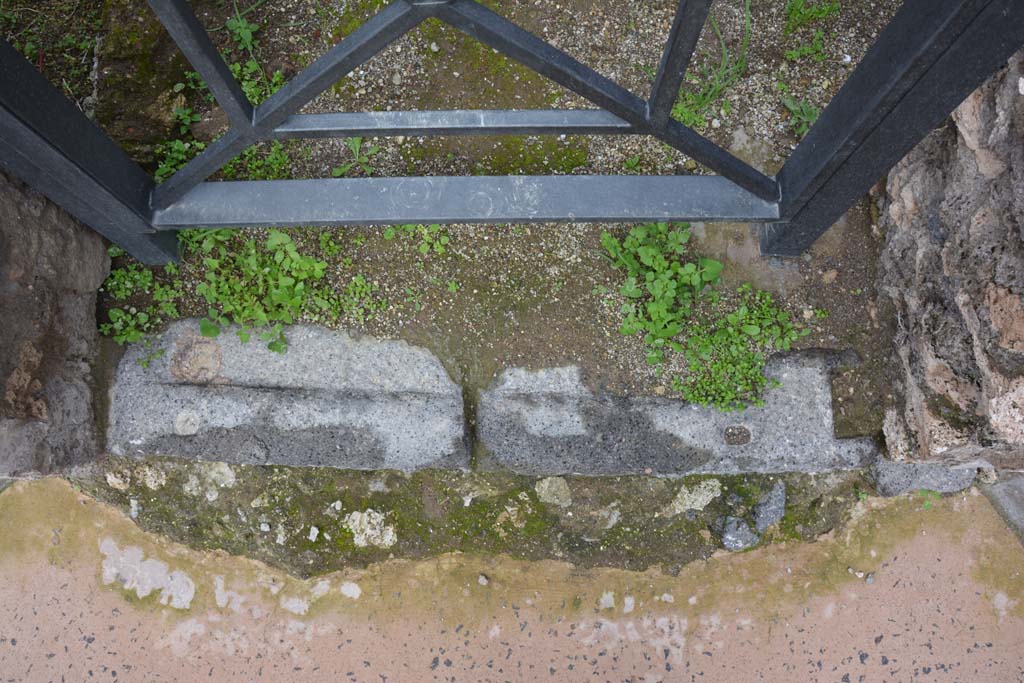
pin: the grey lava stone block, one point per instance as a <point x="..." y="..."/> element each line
<point x="550" y="422"/>
<point x="893" y="478"/>
<point x="330" y="401"/>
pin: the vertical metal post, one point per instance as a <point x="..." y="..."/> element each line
<point x="682" y="41"/>
<point x="930" y="57"/>
<point x="51" y="145"/>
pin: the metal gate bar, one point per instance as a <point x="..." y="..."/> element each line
<point x="473" y="199"/>
<point x="929" y="58"/>
<point x="933" y="53"/>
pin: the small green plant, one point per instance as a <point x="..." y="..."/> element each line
<point x="175" y="154"/>
<point x="360" y="156"/>
<point x="328" y="246"/>
<point x="145" y="303"/>
<point x="260" y="162"/>
<point x="185" y="118"/>
<point x="726" y="354"/>
<point x="194" y="85"/>
<point x="660" y="288"/>
<point x="799" y="13"/>
<point x="671" y="301"/>
<point x="122" y="283"/>
<point x="697" y="100"/>
<point x="453" y="286"/>
<point x="814" y="49"/>
<point x="358" y="301"/>
<point x="632" y="164"/>
<point x="414" y="298"/>
<point x="432" y="238"/>
<point x="242" y="31"/>
<point x="254" y="82"/>
<point x="928" y="498"/>
<point x="256" y="285"/>
<point x="802" y="115"/>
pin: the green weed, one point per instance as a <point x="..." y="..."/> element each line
<point x="242" y="31"/>
<point x="173" y="155"/>
<point x="667" y="301"/>
<point x="660" y="288"/>
<point x="263" y="285"/>
<point x="799" y="13"/>
<point x="697" y="100"/>
<point x="726" y="354"/>
<point x="802" y="115"/>
<point x="814" y="49"/>
<point x="260" y="162"/>
<point x="359" y="301"/>
<point x="129" y="322"/>
<point x="432" y="239"/>
<point x="360" y="158"/>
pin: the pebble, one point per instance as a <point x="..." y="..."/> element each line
<point x="434" y="47"/>
<point x="483" y="580"/>
<point x="313" y="533"/>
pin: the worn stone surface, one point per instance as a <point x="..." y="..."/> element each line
<point x="554" y="491"/>
<point x="771" y="509"/>
<point x="693" y="498"/>
<point x="953" y="267"/>
<point x="50" y="268"/>
<point x="549" y="422"/>
<point x="1007" y="496"/>
<point x="737" y="535"/>
<point x="330" y="400"/>
<point x="895" y="478"/>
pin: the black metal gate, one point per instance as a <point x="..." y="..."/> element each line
<point x="927" y="60"/>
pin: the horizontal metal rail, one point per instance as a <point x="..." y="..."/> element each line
<point x="455" y="122"/>
<point x="472" y="199"/>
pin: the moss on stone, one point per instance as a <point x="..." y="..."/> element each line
<point x="268" y="513"/>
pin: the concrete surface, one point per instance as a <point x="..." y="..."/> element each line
<point x="907" y="593"/>
<point x="330" y="400"/>
<point x="549" y="422"/>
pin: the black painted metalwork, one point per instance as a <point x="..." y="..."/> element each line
<point x="933" y="53"/>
